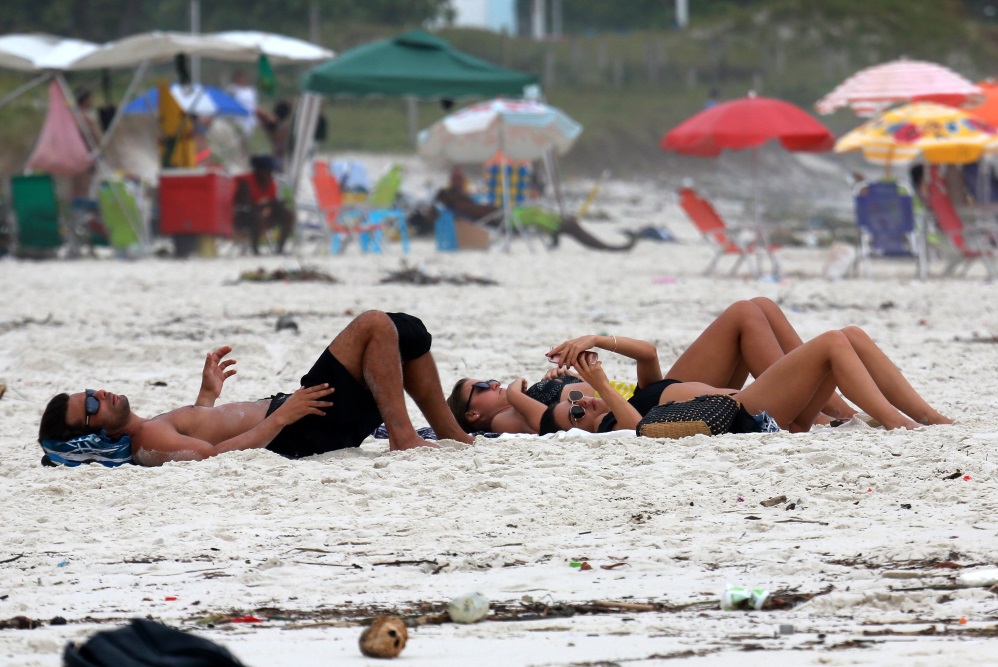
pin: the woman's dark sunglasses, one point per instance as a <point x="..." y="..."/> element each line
<point x="90" y="405"/>
<point x="576" y="412"/>
<point x="481" y="384"/>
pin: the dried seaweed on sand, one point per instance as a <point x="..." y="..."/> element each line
<point x="305" y="274"/>
<point x="419" y="275"/>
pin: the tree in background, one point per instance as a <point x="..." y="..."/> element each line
<point x="105" y="20"/>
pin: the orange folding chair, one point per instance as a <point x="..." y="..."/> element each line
<point x="742" y="241"/>
<point x="344" y="222"/>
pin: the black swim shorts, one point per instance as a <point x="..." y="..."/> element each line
<point x="354" y="414"/>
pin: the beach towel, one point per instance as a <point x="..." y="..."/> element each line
<point x="146" y="643"/>
<point x="90" y="448"/>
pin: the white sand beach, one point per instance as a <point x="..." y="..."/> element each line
<point x="876" y="530"/>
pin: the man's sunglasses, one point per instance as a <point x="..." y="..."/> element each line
<point x="90" y="405"/>
<point x="576" y="412"/>
<point x="481" y="384"/>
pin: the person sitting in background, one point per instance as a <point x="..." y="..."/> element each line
<point x="455" y="198"/>
<point x="258" y="207"/>
<point x="90" y="131"/>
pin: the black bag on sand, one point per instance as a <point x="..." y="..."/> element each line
<point x="147" y="644"/>
<point x="710" y="414"/>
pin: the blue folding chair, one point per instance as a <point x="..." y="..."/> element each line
<point x="885" y="216"/>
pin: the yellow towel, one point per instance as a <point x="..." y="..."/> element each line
<point x="176" y="133"/>
<point x="625" y="389"/>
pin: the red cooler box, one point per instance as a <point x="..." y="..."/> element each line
<point x="195" y="202"/>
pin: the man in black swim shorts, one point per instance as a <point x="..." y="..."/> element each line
<point x="356" y="384"/>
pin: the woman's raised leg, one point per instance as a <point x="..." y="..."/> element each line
<point x="740" y="341"/>
<point x="892" y="383"/>
<point x="748" y="337"/>
<point x="789" y="339"/>
<point x="801" y="380"/>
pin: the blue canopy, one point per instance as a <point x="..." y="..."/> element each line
<point x="197" y="100"/>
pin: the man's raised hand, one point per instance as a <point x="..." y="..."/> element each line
<point x="217" y="369"/>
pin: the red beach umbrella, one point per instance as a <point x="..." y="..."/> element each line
<point x="748" y="122"/>
<point x="871" y="90"/>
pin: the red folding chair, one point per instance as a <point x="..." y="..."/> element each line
<point x="742" y="241"/>
<point x="968" y="243"/>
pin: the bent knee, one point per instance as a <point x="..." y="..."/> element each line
<point x="836" y="338"/>
<point x="853" y="332"/>
<point x="373" y="317"/>
<point x="763" y="302"/>
<point x="743" y="310"/>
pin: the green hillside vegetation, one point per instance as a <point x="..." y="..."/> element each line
<point x="628" y="88"/>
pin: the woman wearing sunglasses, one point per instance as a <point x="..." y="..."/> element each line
<point x="746" y="339"/>
<point x="791" y="392"/>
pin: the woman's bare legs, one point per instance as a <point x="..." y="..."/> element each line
<point x="739" y="341"/>
<point x="748" y="337"/>
<point x="805" y="378"/>
<point x="789" y="339"/>
<point x="890" y="380"/>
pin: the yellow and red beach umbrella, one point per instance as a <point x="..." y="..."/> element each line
<point x="940" y="134"/>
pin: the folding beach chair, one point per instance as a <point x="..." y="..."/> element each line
<point x="121" y="216"/>
<point x="742" y="241"/>
<point x="517" y="179"/>
<point x="968" y="243"/>
<point x="36" y="212"/>
<point x="342" y="222"/>
<point x="885" y="216"/>
<point x="379" y="211"/>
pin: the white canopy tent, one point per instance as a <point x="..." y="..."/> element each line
<point x="51" y="55"/>
<point x="157" y="47"/>
<point x="232" y="46"/>
<point x="40" y="52"/>
<point x="281" y="50"/>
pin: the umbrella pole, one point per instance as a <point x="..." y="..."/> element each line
<point x="412" y="118"/>
<point x="760" y="238"/>
<point x="102" y="167"/>
<point x="507" y="213"/>
<point x="554" y="177"/>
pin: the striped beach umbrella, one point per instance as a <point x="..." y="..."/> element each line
<point x="873" y="89"/>
<point x="519" y="129"/>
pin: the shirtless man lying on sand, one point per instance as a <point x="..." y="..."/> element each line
<point x="355" y="385"/>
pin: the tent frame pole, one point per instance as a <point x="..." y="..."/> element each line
<point x="138" y="226"/>
<point x="20" y="90"/>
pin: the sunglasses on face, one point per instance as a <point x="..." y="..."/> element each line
<point x="576" y="412"/>
<point x="481" y="384"/>
<point x="91" y="405"/>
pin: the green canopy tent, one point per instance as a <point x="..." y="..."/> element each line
<point x="413" y="65"/>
